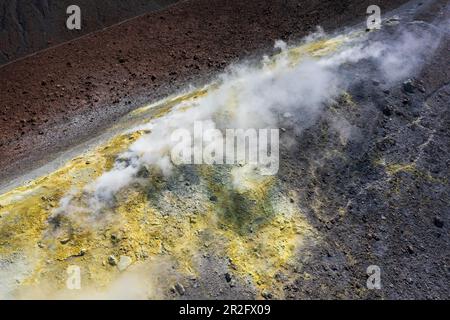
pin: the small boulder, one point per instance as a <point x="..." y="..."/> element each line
<point x="112" y="260"/>
<point x="438" y="222"/>
<point x="267" y="295"/>
<point x="388" y="110"/>
<point x="410" y="249"/>
<point x="408" y="86"/>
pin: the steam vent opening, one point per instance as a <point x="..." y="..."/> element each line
<point x="293" y="150"/>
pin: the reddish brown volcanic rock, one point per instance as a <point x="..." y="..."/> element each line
<point x="64" y="95"/>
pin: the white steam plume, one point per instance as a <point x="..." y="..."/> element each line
<point x="252" y="97"/>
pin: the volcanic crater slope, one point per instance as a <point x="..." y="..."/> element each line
<point x="363" y="181"/>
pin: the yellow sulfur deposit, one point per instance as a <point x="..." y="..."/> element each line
<point x="172" y="223"/>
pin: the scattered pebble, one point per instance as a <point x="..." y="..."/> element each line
<point x="112" y="260"/>
<point x="180" y="289"/>
<point x="267" y="295"/>
<point x="64" y="241"/>
<point x="408" y="86"/>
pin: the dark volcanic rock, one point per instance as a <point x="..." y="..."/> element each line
<point x="391" y="182"/>
<point x="438" y="222"/>
<point x="409" y="86"/>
